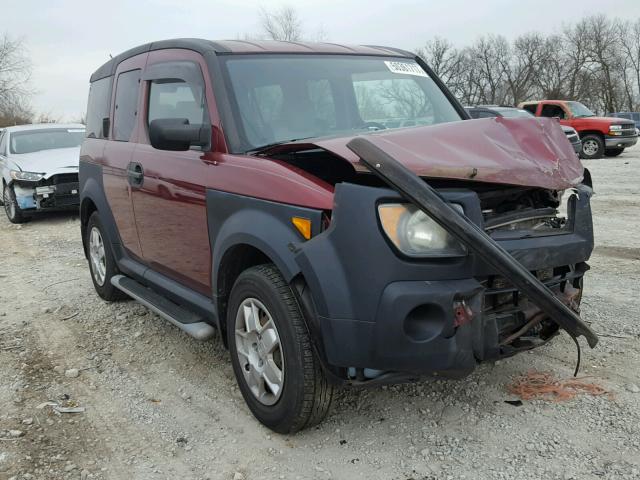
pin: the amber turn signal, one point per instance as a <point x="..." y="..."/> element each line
<point x="303" y="225"/>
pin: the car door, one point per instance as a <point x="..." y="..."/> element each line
<point x="118" y="152"/>
<point x="169" y="202"/>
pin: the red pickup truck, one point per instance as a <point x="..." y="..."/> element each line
<point x="600" y="135"/>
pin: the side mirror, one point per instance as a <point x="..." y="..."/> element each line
<point x="176" y="134"/>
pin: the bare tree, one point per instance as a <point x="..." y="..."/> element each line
<point x="522" y="66"/>
<point x="47" y="117"/>
<point x="596" y="61"/>
<point x="282" y="24"/>
<point x="630" y="42"/>
<point x="446" y="61"/>
<point x="488" y="57"/>
<point x="15" y="115"/>
<point x="15" y="72"/>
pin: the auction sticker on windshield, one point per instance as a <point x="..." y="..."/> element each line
<point x="406" y="68"/>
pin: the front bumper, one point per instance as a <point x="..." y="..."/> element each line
<point x="47" y="194"/>
<point x="620" y="142"/>
<point x="377" y="311"/>
<point x="577" y="146"/>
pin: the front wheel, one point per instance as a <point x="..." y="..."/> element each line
<point x="11" y="207"/>
<point x="592" y="147"/>
<point x="273" y="360"/>
<point x="613" y="152"/>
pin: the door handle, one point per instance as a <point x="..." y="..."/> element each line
<point x="135" y="174"/>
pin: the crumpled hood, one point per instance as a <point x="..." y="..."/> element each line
<point x="49" y="162"/>
<point x="516" y="151"/>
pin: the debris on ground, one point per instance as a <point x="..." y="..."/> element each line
<point x="69" y="406"/>
<point x="536" y="385"/>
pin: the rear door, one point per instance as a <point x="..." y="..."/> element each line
<point x="169" y="204"/>
<point x="118" y="152"/>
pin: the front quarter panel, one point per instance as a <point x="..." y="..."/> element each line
<point x="240" y="220"/>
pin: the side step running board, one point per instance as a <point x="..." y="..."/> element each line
<point x="185" y="320"/>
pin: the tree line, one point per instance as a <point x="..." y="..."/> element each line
<point x="595" y="61"/>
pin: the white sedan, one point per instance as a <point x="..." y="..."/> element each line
<point x="39" y="168"/>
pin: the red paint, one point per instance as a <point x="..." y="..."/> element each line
<point x="516" y="151"/>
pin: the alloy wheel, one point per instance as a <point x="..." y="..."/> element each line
<point x="259" y="351"/>
<point x="9" y="204"/>
<point x="97" y="256"/>
<point x="590" y="147"/>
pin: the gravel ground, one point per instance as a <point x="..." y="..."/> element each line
<point x="160" y="405"/>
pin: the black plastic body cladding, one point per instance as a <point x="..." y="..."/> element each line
<point x="424" y="197"/>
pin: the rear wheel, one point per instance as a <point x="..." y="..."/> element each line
<point x="613" y="152"/>
<point x="11" y="207"/>
<point x="276" y="368"/>
<point x="592" y="147"/>
<point x="102" y="263"/>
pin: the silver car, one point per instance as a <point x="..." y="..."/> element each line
<point x="39" y="168"/>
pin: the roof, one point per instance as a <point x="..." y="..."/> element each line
<point x="225" y="47"/>
<point x="42" y="126"/>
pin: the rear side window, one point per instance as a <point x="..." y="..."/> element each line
<point x="98" y="107"/>
<point x="532" y="107"/>
<point x="127" y="91"/>
<point x="552" y="111"/>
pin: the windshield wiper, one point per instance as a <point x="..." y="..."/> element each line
<point x="263" y="148"/>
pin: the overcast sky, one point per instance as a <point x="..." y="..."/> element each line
<point x="69" y="39"/>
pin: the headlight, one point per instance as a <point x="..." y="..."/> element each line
<point x="416" y="234"/>
<point x="615" y="127"/>
<point x="26" y="176"/>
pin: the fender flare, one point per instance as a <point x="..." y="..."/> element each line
<point x="92" y="189"/>
<point x="238" y="220"/>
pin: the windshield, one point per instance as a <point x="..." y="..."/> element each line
<point x="514" y="113"/>
<point x="279" y="98"/>
<point x="47" y="139"/>
<point x="579" y="110"/>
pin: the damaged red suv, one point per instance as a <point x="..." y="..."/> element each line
<point x="330" y="211"/>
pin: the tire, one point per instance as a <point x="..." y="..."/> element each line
<point x="613" y="152"/>
<point x="304" y="395"/>
<point x="592" y="147"/>
<point x="102" y="264"/>
<point x="14" y="213"/>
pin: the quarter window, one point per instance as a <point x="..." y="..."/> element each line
<point x="127" y="91"/>
<point x="98" y="107"/>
